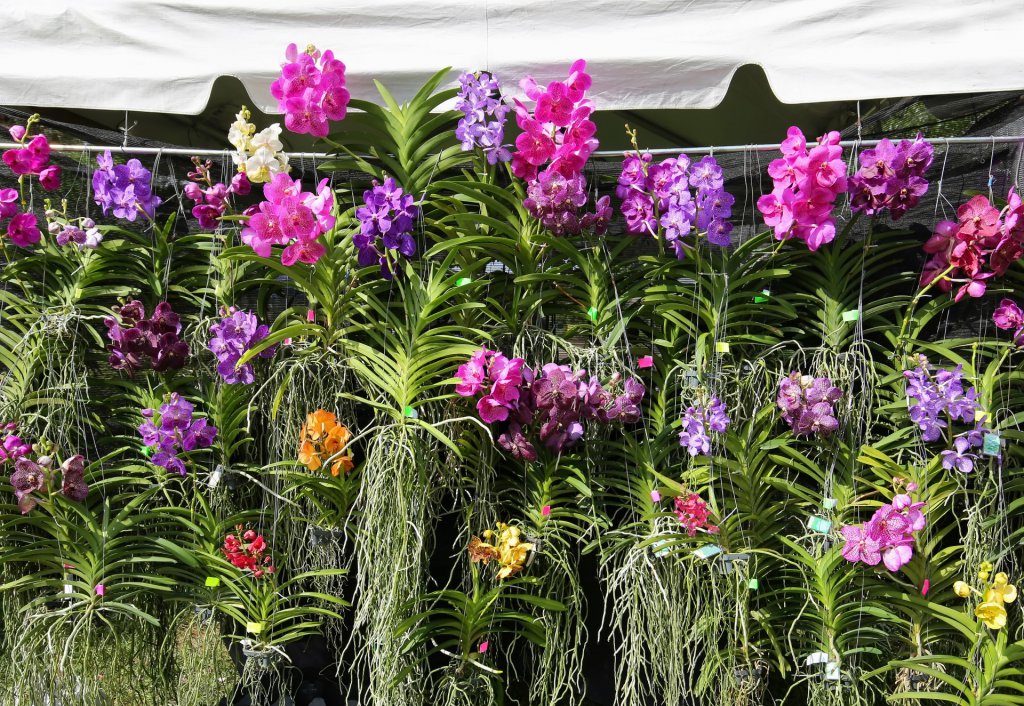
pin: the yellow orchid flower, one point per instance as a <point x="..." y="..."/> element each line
<point x="992" y="613"/>
<point x="1003" y="593"/>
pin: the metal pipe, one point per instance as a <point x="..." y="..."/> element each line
<point x="708" y="149"/>
<point x="711" y="149"/>
<point x="182" y="152"/>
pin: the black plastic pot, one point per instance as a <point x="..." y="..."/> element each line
<point x="308" y="672"/>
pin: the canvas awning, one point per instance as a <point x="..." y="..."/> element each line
<point x="167" y="61"/>
<point x="164" y="56"/>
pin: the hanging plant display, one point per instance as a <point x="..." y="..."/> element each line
<point x="247" y="416"/>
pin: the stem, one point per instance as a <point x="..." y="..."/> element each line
<point x="901" y="340"/>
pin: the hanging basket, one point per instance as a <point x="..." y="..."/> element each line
<point x="729" y="563"/>
<point x="324" y="535"/>
<point x="751" y="674"/>
<point x="204" y="612"/>
<point x="264" y="658"/>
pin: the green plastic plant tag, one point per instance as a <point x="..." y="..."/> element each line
<point x="660" y="548"/>
<point x="851" y="315"/>
<point x="147" y="451"/>
<point x="411" y="412"/>
<point x="708" y="551"/>
<point x="212" y="582"/>
<point x="592" y="313"/>
<point x="753" y="584"/>
<point x="991" y="444"/>
<point x="829" y="503"/>
<point x="722" y="347"/>
<point x="763" y="296"/>
<point x="819" y="524"/>
<point x="463" y="281"/>
<point x="254" y="628"/>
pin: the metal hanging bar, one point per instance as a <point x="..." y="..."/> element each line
<point x="707" y="149"/>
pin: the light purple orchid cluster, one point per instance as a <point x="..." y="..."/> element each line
<point x="660" y="194"/>
<point x="806" y="184"/>
<point x="83" y="233"/>
<point x="939" y="395"/>
<point x="32" y="478"/>
<point x="211" y="199"/>
<point x="13" y="447"/>
<point x="483" y="116"/>
<point x="311" y="90"/>
<point x="133" y="338"/>
<point x="232" y="338"/>
<point x="555" y="200"/>
<point x="557" y="399"/>
<point x="124" y="189"/>
<point x="291" y="217"/>
<point x="891" y="177"/>
<point x="175" y="432"/>
<point x="806" y="404"/>
<point x="1008" y="316"/>
<point x="698" y="422"/>
<point x="386" y="218"/>
<point x="888" y="537"/>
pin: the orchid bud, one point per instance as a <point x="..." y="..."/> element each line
<point x="17" y="132"/>
<point x="193" y="191"/>
<point x="44" y="461"/>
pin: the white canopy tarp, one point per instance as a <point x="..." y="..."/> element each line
<point x="164" y="55"/>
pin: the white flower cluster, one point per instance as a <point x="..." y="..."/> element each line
<point x="258" y="154"/>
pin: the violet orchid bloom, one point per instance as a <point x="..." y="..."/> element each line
<point x="860" y="546"/>
<point x="176" y="432"/>
<point x="896" y="556"/>
<point x="958" y="457"/>
<point x="1008" y="316"/>
<point x="28" y="477"/>
<point x="491" y="410"/>
<point x="73" y="485"/>
<point x="23" y="230"/>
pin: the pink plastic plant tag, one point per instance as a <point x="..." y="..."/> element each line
<point x="483" y="646"/>
<point x="100" y="589"/>
<point x="546" y="511"/>
<point x="646" y="362"/>
<point x="655" y="496"/>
